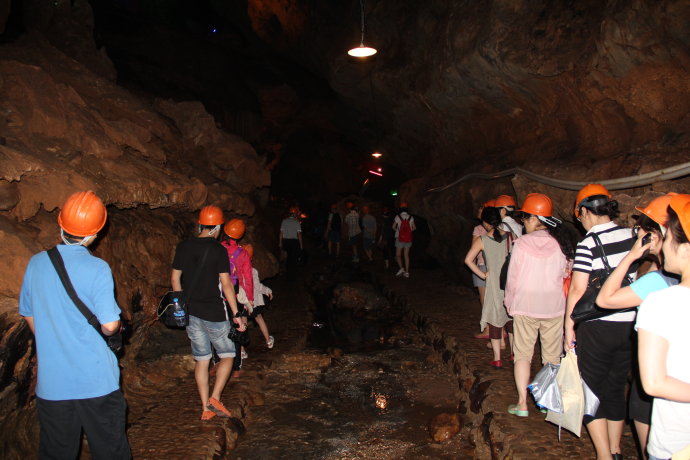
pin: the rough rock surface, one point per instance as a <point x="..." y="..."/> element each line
<point x="444" y="426"/>
<point x="65" y="128"/>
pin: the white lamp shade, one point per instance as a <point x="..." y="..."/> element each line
<point x="362" y="51"/>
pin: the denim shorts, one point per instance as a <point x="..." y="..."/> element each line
<point x="203" y="334"/>
<point x="402" y="244"/>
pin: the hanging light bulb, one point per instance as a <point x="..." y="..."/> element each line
<point x="377" y="154"/>
<point x="362" y="50"/>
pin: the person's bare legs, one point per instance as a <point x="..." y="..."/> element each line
<point x="337" y="249"/>
<point x="398" y="258"/>
<point x="598" y="432"/>
<point x="262" y="326"/>
<point x="521" y="372"/>
<point x="615" y="433"/>
<point x="406" y="255"/>
<point x="482" y="292"/>
<point x="642" y="430"/>
<point x="496" y="347"/>
<point x="222" y="376"/>
<point x="201" y="377"/>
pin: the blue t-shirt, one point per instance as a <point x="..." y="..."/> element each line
<point x="74" y="361"/>
<point x="652" y="282"/>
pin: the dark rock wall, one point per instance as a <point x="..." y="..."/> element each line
<point x="65" y="126"/>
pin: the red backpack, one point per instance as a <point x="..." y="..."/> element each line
<point x="405" y="230"/>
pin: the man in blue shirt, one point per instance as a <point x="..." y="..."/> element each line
<point x="78" y="375"/>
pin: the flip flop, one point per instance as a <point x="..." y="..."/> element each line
<point x="513" y="409"/>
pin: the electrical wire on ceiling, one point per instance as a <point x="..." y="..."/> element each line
<point x="639" y="180"/>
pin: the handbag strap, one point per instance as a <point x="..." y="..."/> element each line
<point x="59" y="264"/>
<point x="604" y="259"/>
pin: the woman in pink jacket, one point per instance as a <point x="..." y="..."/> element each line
<point x="534" y="291"/>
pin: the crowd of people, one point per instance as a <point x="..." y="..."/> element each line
<point x="394" y="236"/>
<point x="531" y="278"/>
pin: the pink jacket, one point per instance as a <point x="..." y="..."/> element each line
<point x="534" y="286"/>
<point x="244" y="267"/>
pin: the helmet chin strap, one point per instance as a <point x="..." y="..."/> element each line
<point x="83" y="242"/>
<point x="550" y="221"/>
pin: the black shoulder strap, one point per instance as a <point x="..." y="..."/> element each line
<point x="604" y="259"/>
<point x="59" y="265"/>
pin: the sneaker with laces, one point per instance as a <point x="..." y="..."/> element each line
<point x="244" y="355"/>
<point x="406" y="274"/>
<point x="270" y="341"/>
<point x="400" y="272"/>
<point x="217" y="407"/>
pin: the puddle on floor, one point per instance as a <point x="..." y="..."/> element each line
<point x="374" y="400"/>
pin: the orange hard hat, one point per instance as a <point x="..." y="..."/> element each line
<point x="681" y="205"/>
<point x="210" y="215"/>
<point x="234" y="228"/>
<point x="250" y="250"/>
<point x="349" y="205"/>
<point x="83" y="214"/>
<point x="588" y="191"/>
<point x="403" y="204"/>
<point x="294" y="210"/>
<point x="505" y="200"/>
<point x="656" y="209"/>
<point x="490" y="204"/>
<point x="537" y="204"/>
<point x="365" y="209"/>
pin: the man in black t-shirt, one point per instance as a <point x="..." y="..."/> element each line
<point x="208" y="316"/>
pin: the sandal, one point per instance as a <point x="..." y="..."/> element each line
<point x="513" y="409"/>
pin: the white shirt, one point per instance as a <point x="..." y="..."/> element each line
<point x="666" y="314"/>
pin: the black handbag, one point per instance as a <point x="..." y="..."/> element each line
<point x="166" y="315"/>
<point x="586" y="308"/>
<point x="115" y="341"/>
<point x="503" y="277"/>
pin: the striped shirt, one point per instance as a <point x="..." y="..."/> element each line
<point x="617" y="242"/>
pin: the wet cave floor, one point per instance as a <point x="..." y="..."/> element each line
<point x="365" y="391"/>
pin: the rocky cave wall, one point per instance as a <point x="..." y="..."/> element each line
<point x="65" y="126"/>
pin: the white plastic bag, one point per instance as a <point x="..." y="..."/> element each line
<point x="572" y="396"/>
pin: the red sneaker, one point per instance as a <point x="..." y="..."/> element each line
<point x="207" y="415"/>
<point x="218" y="408"/>
<point x="497" y="363"/>
<point x="511" y="357"/>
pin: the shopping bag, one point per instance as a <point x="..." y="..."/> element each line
<point x="544" y="388"/>
<point x="572" y="397"/>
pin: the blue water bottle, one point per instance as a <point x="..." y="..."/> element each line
<point x="178" y="313"/>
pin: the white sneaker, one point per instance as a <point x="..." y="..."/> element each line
<point x="406" y="274"/>
<point x="244" y="355"/>
<point x="400" y="272"/>
<point x="270" y="341"/>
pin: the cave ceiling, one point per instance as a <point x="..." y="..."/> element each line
<point x="492" y="84"/>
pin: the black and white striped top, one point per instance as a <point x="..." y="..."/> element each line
<point x="617" y="242"/>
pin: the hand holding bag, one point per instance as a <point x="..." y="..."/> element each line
<point x="586" y="308"/>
